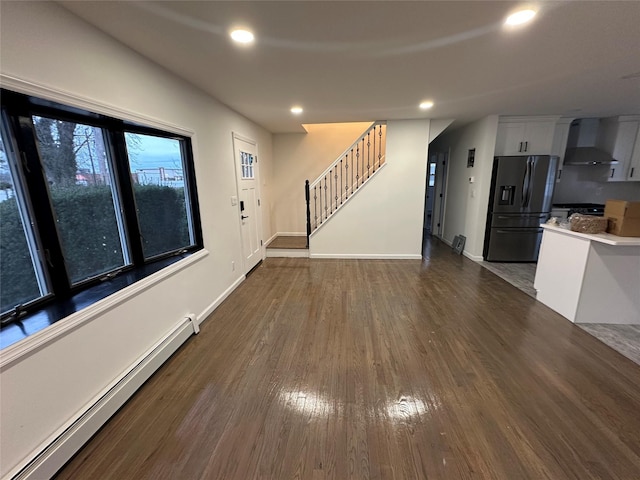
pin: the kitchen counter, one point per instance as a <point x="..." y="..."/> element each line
<point x="606" y="238"/>
<point x="589" y="278"/>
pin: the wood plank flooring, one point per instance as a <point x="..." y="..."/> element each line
<point x="370" y="369"/>
<point x="288" y="242"/>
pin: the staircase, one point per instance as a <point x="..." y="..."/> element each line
<point x="342" y="179"/>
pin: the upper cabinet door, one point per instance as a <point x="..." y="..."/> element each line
<point x="538" y="137"/>
<point x="634" y="166"/>
<point x="532" y="136"/>
<point x="509" y="140"/>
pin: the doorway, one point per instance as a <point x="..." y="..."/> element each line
<point x="435" y="194"/>
<point x="248" y="179"/>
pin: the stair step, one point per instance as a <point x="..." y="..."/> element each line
<point x="288" y="246"/>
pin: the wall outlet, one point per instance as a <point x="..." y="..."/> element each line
<point x="233" y="266"/>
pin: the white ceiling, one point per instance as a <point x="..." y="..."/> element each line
<point x="359" y="61"/>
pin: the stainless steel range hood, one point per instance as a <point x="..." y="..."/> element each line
<point x="582" y="145"/>
<point x="588" y="156"/>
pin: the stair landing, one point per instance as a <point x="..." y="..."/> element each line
<point x="288" y="246"/>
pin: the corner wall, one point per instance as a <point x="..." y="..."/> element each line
<point x="384" y="219"/>
<point x="466" y="203"/>
<point x="44" y="48"/>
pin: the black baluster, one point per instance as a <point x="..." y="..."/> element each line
<point x="346" y="176"/>
<point x="374" y="148"/>
<point x="330" y="193"/>
<point x="362" y="160"/>
<point x="341" y="168"/>
<point x="368" y="153"/>
<point x="380" y="147"/>
<point x="336" y="177"/>
<point x="315" y="205"/>
<point x="326" y="208"/>
<point x="357" y="162"/>
<point x="352" y="171"/>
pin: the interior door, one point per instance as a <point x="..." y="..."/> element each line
<point x="437" y="222"/>
<point x="248" y="178"/>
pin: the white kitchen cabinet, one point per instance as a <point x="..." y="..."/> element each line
<point x="559" y="144"/>
<point x="525" y="135"/>
<point x="617" y="137"/>
<point x="634" y="168"/>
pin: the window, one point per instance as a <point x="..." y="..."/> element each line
<point x="81" y="192"/>
<point x="246" y="162"/>
<point x="21" y="280"/>
<point x="86" y="198"/>
<point x="157" y="172"/>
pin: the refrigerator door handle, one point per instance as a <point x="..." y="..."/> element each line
<point x="525" y="184"/>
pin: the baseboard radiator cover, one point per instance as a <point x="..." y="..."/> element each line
<point x="53" y="456"/>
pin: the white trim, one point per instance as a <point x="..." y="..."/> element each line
<point x="288" y="252"/>
<point x="244" y="139"/>
<point x="213" y="305"/>
<point x="57" y="95"/>
<point x="54" y="452"/>
<point x="23" y="347"/>
<point x="475" y="258"/>
<point x="369" y="256"/>
<point x="271" y="239"/>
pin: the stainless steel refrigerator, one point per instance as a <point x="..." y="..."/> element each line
<point x="520" y="200"/>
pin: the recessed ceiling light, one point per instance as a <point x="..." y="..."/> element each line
<point x="242" y="36"/>
<point x="426" y="105"/>
<point x="520" y="17"/>
<point x="296" y="110"/>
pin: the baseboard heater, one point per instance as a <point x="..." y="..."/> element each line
<point x="53" y="456"/>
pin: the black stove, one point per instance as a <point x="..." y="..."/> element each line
<point x="594" y="209"/>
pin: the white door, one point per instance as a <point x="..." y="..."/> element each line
<point x="248" y="178"/>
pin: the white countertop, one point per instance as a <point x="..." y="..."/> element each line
<point x="606" y="238"/>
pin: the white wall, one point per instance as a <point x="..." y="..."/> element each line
<point x="303" y="156"/>
<point x="384" y="218"/>
<point x="466" y="203"/>
<point x="44" y="48"/>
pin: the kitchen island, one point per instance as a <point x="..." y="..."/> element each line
<point x="589" y="278"/>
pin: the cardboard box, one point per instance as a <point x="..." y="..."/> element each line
<point x="623" y="218"/>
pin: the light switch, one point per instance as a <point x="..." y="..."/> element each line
<point x="234" y="200"/>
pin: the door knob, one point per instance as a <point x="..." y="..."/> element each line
<point x="244" y="216"/>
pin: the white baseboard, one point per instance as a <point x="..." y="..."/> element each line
<point x="475" y="258"/>
<point x="213" y="305"/>
<point x="56" y="451"/>
<point x="368" y="256"/>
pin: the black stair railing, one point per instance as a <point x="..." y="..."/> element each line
<point x="325" y="195"/>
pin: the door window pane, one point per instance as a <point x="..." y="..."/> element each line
<point x="21" y="279"/>
<point x="78" y="170"/>
<point x="246" y="162"/>
<point x="157" y="172"/>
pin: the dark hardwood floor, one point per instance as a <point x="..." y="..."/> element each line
<point x="343" y="369"/>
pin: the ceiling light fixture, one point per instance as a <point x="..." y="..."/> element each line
<point x="240" y="35"/>
<point x="426" y="105"/>
<point x="296" y="110"/>
<point x="520" y="17"/>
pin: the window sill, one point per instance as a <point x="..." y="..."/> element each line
<point x="41" y="327"/>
